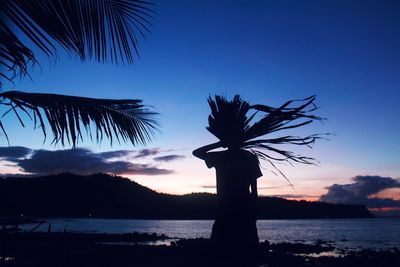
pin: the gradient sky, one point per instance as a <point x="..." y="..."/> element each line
<point x="345" y="52"/>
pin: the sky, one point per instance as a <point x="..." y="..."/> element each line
<point x="347" y="53"/>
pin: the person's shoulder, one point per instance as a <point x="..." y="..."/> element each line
<point x="249" y="155"/>
<point x="214" y="158"/>
<point x="213" y="155"/>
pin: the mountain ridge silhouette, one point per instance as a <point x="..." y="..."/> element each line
<point x="108" y="196"/>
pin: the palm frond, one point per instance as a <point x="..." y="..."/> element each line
<point x="229" y="121"/>
<point x="279" y="119"/>
<point x="283" y="118"/>
<point x="125" y="120"/>
<point x="99" y="29"/>
<point x="14" y="55"/>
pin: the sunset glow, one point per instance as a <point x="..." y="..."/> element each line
<point x="266" y="52"/>
<point x="201" y="133"/>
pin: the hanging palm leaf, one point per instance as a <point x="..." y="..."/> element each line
<point x="229" y="123"/>
<point x="99" y="29"/>
<point x="126" y="120"/>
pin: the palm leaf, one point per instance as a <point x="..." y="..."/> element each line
<point x="279" y="119"/>
<point x="14" y="55"/>
<point x="125" y="120"/>
<point x="99" y="29"/>
<point x="229" y="121"/>
<point x="282" y="118"/>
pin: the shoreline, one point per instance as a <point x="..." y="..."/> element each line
<point x="342" y="233"/>
<point x="142" y="249"/>
<point x="34" y="219"/>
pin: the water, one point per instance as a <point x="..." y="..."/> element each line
<point x="350" y="233"/>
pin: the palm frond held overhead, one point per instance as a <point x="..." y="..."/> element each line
<point x="125" y="120"/>
<point x="234" y="120"/>
<point x="228" y="121"/>
<point x="287" y="116"/>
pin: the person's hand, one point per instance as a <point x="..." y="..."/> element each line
<point x="223" y="144"/>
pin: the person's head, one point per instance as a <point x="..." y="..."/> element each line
<point x="228" y="120"/>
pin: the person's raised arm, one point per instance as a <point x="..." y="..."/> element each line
<point x="201" y="152"/>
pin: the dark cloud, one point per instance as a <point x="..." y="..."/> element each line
<point x="169" y="158"/>
<point x="14" y="152"/>
<point x="116" y="154"/>
<point x="259" y="188"/>
<point x="144" y="169"/>
<point x="360" y="191"/>
<point x="208" y="186"/>
<point x="130" y="153"/>
<point x="271" y="187"/>
<point x="292" y="196"/>
<point x="147" y="152"/>
<point x="81" y="161"/>
<point x="18" y="175"/>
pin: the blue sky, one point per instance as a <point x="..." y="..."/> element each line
<point x="345" y="52"/>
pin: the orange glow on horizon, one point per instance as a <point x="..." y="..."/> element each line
<point x="309" y="199"/>
<point x="392" y="193"/>
<point x="385" y="209"/>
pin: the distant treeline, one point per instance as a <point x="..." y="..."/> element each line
<point x="106" y="196"/>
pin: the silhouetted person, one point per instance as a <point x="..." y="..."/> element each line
<point x="245" y="135"/>
<point x="234" y="234"/>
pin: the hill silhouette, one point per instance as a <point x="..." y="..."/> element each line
<point x="107" y="196"/>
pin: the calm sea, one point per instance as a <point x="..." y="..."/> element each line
<point x="350" y="233"/>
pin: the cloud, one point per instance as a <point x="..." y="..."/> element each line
<point x="147" y="152"/>
<point x="361" y="191"/>
<point x="272" y="187"/>
<point x="18" y="175"/>
<point x="293" y="196"/>
<point x="14" y="152"/>
<point x="209" y="186"/>
<point x="130" y="153"/>
<point x="116" y="154"/>
<point x="79" y="161"/>
<point x="169" y="158"/>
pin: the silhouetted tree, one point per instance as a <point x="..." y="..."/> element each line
<point x="99" y="29"/>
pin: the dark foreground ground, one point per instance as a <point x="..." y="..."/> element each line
<point x="68" y="249"/>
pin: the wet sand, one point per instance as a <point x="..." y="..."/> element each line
<point x="92" y="249"/>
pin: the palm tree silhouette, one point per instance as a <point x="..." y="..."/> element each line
<point x="103" y="30"/>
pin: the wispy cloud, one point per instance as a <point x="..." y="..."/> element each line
<point x="208" y="186"/>
<point x="131" y="153"/>
<point x="117" y="154"/>
<point x="296" y="196"/>
<point x="272" y="187"/>
<point x="169" y="158"/>
<point x="147" y="152"/>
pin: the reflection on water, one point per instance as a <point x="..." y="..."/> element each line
<point x="6" y="259"/>
<point x="165" y="242"/>
<point x="342" y="233"/>
<point x="333" y="253"/>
